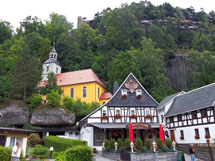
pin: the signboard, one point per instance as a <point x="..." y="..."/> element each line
<point x="140" y="126"/>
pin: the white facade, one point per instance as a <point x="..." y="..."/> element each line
<point x="10" y="142"/>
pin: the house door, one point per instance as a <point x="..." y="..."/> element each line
<point x="172" y="135"/>
<point x="2" y="140"/>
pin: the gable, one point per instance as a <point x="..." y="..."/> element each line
<point x="131" y="84"/>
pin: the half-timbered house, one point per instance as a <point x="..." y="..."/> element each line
<point x="191" y="116"/>
<point x="130" y="103"/>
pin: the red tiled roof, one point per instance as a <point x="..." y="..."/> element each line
<point x="77" y="77"/>
<point x="105" y="96"/>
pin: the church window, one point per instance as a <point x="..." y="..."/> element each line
<point x="47" y="67"/>
<point x="72" y="92"/>
<point x="98" y="92"/>
<point x="104" y="113"/>
<point x="84" y="92"/>
<point x="54" y="56"/>
<point x="57" y="70"/>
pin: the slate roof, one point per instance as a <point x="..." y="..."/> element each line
<point x="193" y="100"/>
<point x="131" y="100"/>
<point x="166" y="100"/>
<point x="77" y="77"/>
<point x="51" y="61"/>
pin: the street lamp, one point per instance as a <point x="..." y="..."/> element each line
<point x="51" y="150"/>
<point x="132" y="146"/>
<point x="115" y="146"/>
<point x="154" y="146"/>
<point x="173" y="144"/>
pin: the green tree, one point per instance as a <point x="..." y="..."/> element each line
<point x="5" y="31"/>
<point x="54" y="98"/>
<point x="34" y="101"/>
<point x="201" y="42"/>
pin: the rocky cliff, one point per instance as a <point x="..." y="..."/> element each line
<point x="14" y="113"/>
<point x="50" y="116"/>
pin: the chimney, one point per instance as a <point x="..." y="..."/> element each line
<point x="115" y="87"/>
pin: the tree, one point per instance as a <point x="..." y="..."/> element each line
<point x="5" y="31"/>
<point x="54" y="98"/>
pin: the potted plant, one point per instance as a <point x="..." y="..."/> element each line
<point x="139" y="95"/>
<point x="124" y="96"/>
<point x="207" y="136"/>
<point x="182" y="137"/>
<point x="104" y="117"/>
<point x="197" y="136"/>
<point x="133" y="116"/>
<point x="148" y="117"/>
<point x="117" y="116"/>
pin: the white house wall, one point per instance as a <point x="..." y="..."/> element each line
<point x="86" y="134"/>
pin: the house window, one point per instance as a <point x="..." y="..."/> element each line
<point x="104" y="113"/>
<point x="194" y="115"/>
<point x="117" y="112"/>
<point x="207" y="132"/>
<point x="47" y="67"/>
<point x="13" y="141"/>
<point x="171" y="119"/>
<point x="72" y="92"/>
<point x="76" y="133"/>
<point x="147" y="112"/>
<point x="204" y="113"/>
<point x="124" y="92"/>
<point x="132" y="112"/>
<point x="138" y="92"/>
<point x="98" y="92"/>
<point x="182" y="133"/>
<point x="179" y="117"/>
<point x="84" y="92"/>
<point x="196" y="132"/>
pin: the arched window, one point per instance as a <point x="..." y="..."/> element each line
<point x="84" y="92"/>
<point x="47" y="67"/>
<point x="98" y="92"/>
<point x="57" y="70"/>
<point x="72" y="92"/>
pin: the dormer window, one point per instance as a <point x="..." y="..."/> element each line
<point x="47" y="67"/>
<point x="139" y="93"/>
<point x="124" y="92"/>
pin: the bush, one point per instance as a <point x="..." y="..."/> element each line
<point x="148" y="143"/>
<point x="79" y="153"/>
<point x="54" y="98"/>
<point x="40" y="151"/>
<point x="119" y="143"/>
<point x="5" y="153"/>
<point x="139" y="144"/>
<point x="145" y="149"/>
<point x="107" y="143"/>
<point x="33" y="139"/>
<point x="59" y="156"/>
<point x="34" y="101"/>
<point x="112" y="142"/>
<point x="68" y="102"/>
<point x="121" y="149"/>
<point x="127" y="143"/>
<point x="159" y="143"/>
<point x="168" y="143"/>
<point x="165" y="149"/>
<point x="61" y="144"/>
<point x="108" y="149"/>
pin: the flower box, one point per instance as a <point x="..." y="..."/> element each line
<point x="197" y="137"/>
<point x="117" y="116"/>
<point x="148" y="117"/>
<point x="182" y="137"/>
<point x="133" y="116"/>
<point x="104" y="117"/>
<point x="124" y="96"/>
<point x="139" y="96"/>
<point x="207" y="136"/>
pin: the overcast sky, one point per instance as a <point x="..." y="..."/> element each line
<point x="15" y="11"/>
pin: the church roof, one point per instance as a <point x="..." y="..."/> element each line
<point x="193" y="100"/>
<point x="77" y="77"/>
<point x="106" y="95"/>
<point x="51" y="61"/>
<point x="131" y="100"/>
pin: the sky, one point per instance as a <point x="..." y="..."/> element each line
<point x="14" y="11"/>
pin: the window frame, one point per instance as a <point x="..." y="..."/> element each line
<point x="72" y="92"/>
<point x="84" y="92"/>
<point x="98" y="92"/>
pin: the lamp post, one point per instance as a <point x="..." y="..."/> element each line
<point x="132" y="146"/>
<point x="154" y="146"/>
<point x="51" y="151"/>
<point x="115" y="144"/>
<point x="173" y="145"/>
<point x="103" y="146"/>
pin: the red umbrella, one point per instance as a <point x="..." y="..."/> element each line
<point x="161" y="133"/>
<point x="131" y="136"/>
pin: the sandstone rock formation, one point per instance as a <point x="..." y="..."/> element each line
<point x="14" y="113"/>
<point x="50" y="116"/>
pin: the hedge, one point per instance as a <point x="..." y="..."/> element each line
<point x="79" y="153"/>
<point x="61" y="144"/>
<point x="5" y="153"/>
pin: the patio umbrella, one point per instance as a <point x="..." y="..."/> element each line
<point x="131" y="136"/>
<point x="161" y="133"/>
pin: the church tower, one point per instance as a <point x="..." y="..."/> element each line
<point x="51" y="65"/>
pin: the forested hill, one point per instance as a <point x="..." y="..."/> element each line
<point x="140" y="38"/>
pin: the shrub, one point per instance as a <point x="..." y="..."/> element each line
<point x="148" y="143"/>
<point x="5" y="153"/>
<point x="159" y="143"/>
<point x="41" y="151"/>
<point x="168" y="143"/>
<point x="34" y="101"/>
<point x="112" y="142"/>
<point x="165" y="149"/>
<point x="33" y="139"/>
<point x="68" y="102"/>
<point x="59" y="156"/>
<point x="61" y="144"/>
<point x="79" y="153"/>
<point x="145" y="149"/>
<point x="127" y="143"/>
<point x="54" y="98"/>
<point x="108" y="149"/>
<point x="107" y="143"/>
<point x="119" y="143"/>
<point x="139" y="144"/>
<point x="122" y="149"/>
